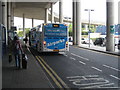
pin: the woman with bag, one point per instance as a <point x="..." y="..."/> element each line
<point x="17" y="51"/>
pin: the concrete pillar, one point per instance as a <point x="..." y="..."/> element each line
<point x="5" y="14"/>
<point x="23" y="25"/>
<point x="52" y="14"/>
<point x="12" y="15"/>
<point x="86" y="27"/>
<point x="61" y="11"/>
<point x="74" y="22"/>
<point x="46" y="15"/>
<point x="4" y="6"/>
<point x="9" y="16"/>
<point x="0" y="13"/>
<point x="0" y="46"/>
<point x="119" y="12"/>
<point x="32" y="22"/>
<point x="110" y="26"/>
<point x="78" y="23"/>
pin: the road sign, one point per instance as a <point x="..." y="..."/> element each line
<point x="112" y="29"/>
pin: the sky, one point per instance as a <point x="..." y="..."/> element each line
<point x="98" y="15"/>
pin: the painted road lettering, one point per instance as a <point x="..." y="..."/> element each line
<point x="89" y="81"/>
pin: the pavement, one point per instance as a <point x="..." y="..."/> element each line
<point x="101" y="49"/>
<point x="32" y="77"/>
<point x="98" y="48"/>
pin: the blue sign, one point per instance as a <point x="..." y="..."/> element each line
<point x="55" y="43"/>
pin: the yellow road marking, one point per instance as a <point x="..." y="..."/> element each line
<point x="50" y="74"/>
<point x="98" y="52"/>
<point x="62" y="82"/>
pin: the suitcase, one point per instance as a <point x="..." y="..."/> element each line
<point x="24" y="61"/>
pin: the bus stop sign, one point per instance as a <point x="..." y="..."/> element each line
<point x="112" y="29"/>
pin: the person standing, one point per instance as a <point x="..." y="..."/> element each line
<point x="17" y="51"/>
<point x="26" y="40"/>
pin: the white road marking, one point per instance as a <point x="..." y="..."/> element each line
<point x="111" y="67"/>
<point x="85" y="78"/>
<point x="90" y="81"/>
<point x="97" y="69"/>
<point x="65" y="55"/>
<point x="82" y="62"/>
<point x="78" y="83"/>
<point x="72" y="58"/>
<point x="115" y="77"/>
<point x="80" y="56"/>
<point x="99" y="86"/>
<point x="82" y="76"/>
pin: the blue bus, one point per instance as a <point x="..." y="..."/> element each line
<point x="50" y="38"/>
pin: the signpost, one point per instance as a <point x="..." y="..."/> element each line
<point x="112" y="29"/>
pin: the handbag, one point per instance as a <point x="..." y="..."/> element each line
<point x="24" y="61"/>
<point x="10" y="58"/>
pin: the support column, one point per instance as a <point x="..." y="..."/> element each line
<point x="86" y="27"/>
<point x="52" y="14"/>
<point x="0" y="46"/>
<point x="110" y="26"/>
<point x="32" y="22"/>
<point x="78" y="23"/>
<point x="119" y="12"/>
<point x="23" y="25"/>
<point x="0" y="14"/>
<point x="61" y="11"/>
<point x="9" y="16"/>
<point x="12" y="15"/>
<point x="46" y="15"/>
<point x="4" y="6"/>
<point x="74" y="22"/>
<point x="5" y="14"/>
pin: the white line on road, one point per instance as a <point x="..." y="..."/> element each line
<point x="115" y="77"/>
<point x="84" y="76"/>
<point x="111" y="67"/>
<point x="97" y="69"/>
<point x="101" y="86"/>
<point x="72" y="58"/>
<point x="80" y="56"/>
<point x="65" y="55"/>
<point x="82" y="62"/>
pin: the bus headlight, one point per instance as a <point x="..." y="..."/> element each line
<point x="66" y="43"/>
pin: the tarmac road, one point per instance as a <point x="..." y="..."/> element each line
<point x="82" y="68"/>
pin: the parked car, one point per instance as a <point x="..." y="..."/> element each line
<point x="86" y="41"/>
<point x="116" y="40"/>
<point x="119" y="45"/>
<point x="100" y="41"/>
